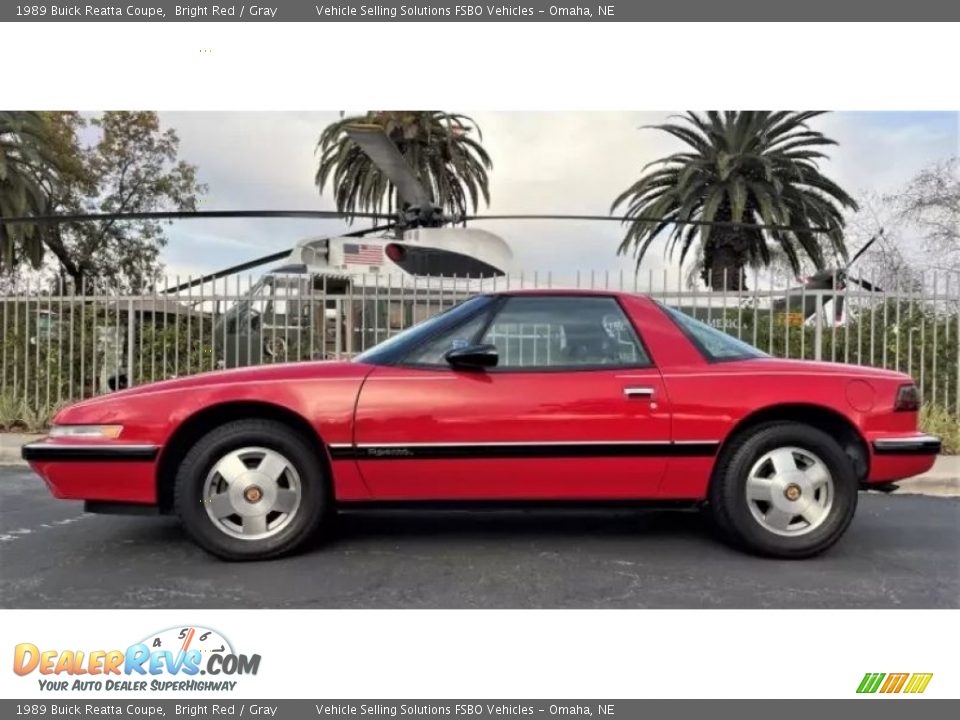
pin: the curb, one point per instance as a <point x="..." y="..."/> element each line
<point x="10" y="447"/>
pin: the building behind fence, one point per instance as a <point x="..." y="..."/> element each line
<point x="65" y="344"/>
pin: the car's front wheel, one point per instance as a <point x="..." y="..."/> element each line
<point x="251" y="490"/>
<point x="783" y="489"/>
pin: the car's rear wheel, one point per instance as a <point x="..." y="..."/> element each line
<point x="251" y="490"/>
<point x="783" y="489"/>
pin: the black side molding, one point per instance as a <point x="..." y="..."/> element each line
<point x="910" y="445"/>
<point x="88" y="453"/>
<point x="473" y="451"/>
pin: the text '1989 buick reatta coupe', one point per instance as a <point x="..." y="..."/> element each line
<point x="528" y="397"/>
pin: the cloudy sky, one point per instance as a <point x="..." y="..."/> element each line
<point x="545" y="162"/>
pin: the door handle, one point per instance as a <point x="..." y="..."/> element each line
<point x="638" y="392"/>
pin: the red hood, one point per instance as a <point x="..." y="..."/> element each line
<point x="241" y="376"/>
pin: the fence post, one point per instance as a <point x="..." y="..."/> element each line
<point x="131" y="343"/>
<point x="818" y="329"/>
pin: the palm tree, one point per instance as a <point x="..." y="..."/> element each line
<point x="750" y="167"/>
<point x="439" y="146"/>
<point x="28" y="170"/>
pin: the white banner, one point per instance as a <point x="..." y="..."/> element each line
<point x="486" y="654"/>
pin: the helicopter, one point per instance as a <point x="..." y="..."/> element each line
<point x="319" y="291"/>
<point x="835" y="280"/>
<point x="283" y="308"/>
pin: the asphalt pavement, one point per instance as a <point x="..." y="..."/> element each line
<point x="902" y="551"/>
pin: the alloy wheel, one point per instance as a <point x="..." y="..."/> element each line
<point x="790" y="491"/>
<point x="252" y="493"/>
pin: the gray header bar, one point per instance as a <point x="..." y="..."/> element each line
<point x="463" y="11"/>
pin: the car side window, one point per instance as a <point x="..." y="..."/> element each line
<point x="432" y="352"/>
<point x="564" y="332"/>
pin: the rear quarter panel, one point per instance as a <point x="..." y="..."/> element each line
<point x="708" y="401"/>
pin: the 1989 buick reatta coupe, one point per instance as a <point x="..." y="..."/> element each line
<point x="515" y="397"/>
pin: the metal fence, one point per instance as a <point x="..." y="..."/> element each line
<point x="61" y="344"/>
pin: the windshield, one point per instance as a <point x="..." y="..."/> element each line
<point x="400" y="344"/>
<point x="713" y="344"/>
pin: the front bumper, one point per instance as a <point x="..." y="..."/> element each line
<point x="103" y="471"/>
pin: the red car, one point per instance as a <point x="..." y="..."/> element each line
<point x="543" y="396"/>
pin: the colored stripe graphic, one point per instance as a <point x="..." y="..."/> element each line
<point x="918" y="683"/>
<point x="894" y="683"/>
<point x="870" y="682"/>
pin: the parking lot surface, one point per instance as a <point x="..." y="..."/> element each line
<point x="902" y="551"/>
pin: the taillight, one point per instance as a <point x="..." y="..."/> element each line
<point x="908" y="398"/>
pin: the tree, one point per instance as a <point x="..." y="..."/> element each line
<point x="29" y="168"/>
<point x="439" y="146"/>
<point x="751" y="167"/>
<point x="133" y="167"/>
<point x="930" y="202"/>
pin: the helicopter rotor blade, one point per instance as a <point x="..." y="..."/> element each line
<point x="386" y="156"/>
<point x="187" y="215"/>
<point x="866" y="247"/>
<point x="334" y="214"/>
<point x="256" y="262"/>
<point x="865" y="284"/>
<point x="642" y="218"/>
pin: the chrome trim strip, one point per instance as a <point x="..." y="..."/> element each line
<point x="909" y="439"/>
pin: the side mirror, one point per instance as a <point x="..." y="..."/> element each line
<point x="472" y="357"/>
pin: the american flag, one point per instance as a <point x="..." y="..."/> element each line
<point x="357" y="254"/>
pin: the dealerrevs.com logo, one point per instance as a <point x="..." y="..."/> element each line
<point x="180" y="659"/>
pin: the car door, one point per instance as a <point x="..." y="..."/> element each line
<point x="574" y="409"/>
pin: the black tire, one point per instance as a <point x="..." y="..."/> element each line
<point x="315" y="501"/>
<point x="727" y="499"/>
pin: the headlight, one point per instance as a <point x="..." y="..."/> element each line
<point x="99" y="432"/>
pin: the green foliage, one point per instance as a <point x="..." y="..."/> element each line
<point x="439" y="146"/>
<point x="939" y="421"/>
<point x="37" y="419"/>
<point x="21" y="414"/>
<point x="753" y="167"/>
<point x="10" y="411"/>
<point x="174" y="348"/>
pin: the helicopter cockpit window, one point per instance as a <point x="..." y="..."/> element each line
<point x="284" y="302"/>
